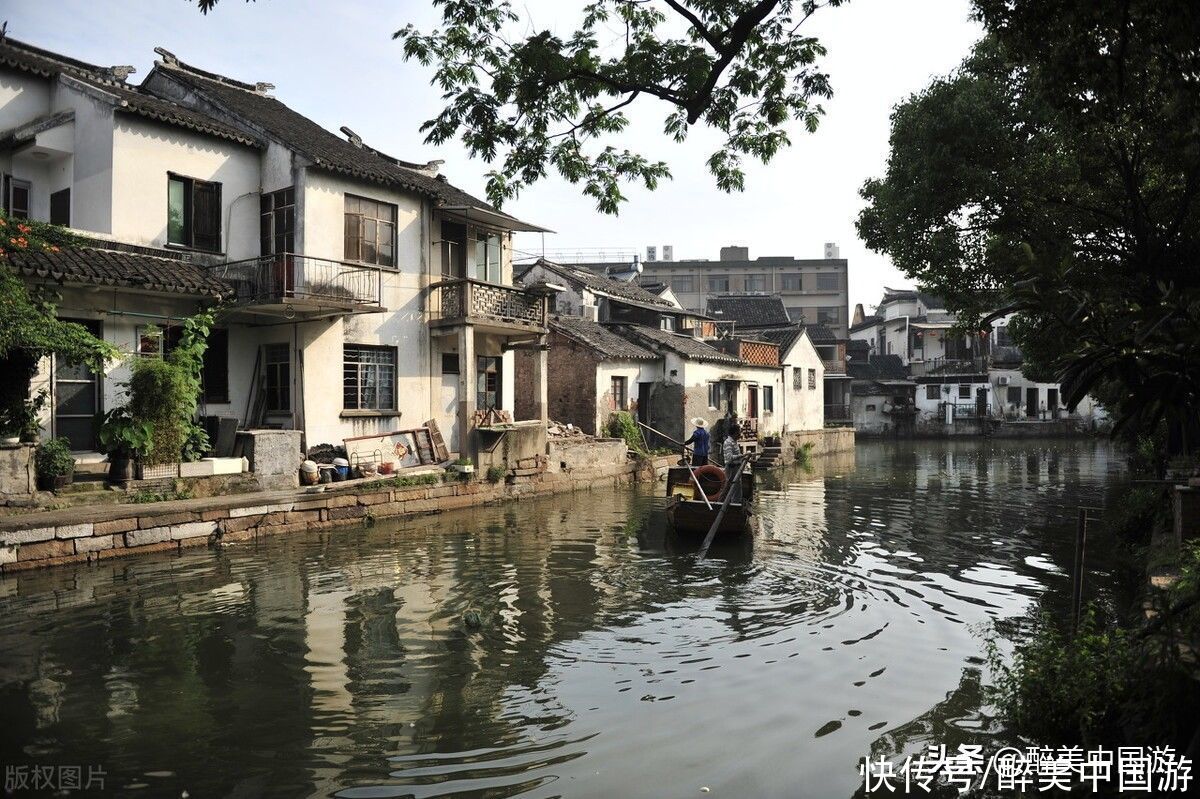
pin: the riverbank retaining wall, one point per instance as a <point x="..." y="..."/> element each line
<point x="79" y="535"/>
<point x="824" y="442"/>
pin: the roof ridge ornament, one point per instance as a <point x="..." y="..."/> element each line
<point x="353" y="137"/>
<point x="167" y="56"/>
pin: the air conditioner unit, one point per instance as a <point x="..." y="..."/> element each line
<point x="1002" y="380"/>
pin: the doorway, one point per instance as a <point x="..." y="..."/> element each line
<point x="643" y="402"/>
<point x="1031" y="403"/>
<point x="77" y="398"/>
<point x="487" y="377"/>
<point x="752" y="402"/>
<point x="1052" y="402"/>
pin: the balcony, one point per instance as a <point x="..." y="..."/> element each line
<point x="834" y="368"/>
<point x="838" y="415"/>
<point x="301" y="285"/>
<point x="489" y="306"/>
<point x="947" y="366"/>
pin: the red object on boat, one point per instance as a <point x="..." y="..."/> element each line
<point x="711" y="479"/>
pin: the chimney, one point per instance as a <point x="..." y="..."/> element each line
<point x="668" y="252"/>
<point x="651" y="253"/>
<point x="832" y="253"/>
<point x="735" y="253"/>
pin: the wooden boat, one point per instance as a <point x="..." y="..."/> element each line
<point x="689" y="514"/>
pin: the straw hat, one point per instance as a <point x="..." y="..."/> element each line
<point x="699" y="422"/>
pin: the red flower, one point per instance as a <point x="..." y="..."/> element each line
<point x="24" y="228"/>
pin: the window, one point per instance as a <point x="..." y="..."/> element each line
<point x="667" y="323"/>
<point x="370" y="231"/>
<point x="620" y="393"/>
<point x="60" y="208"/>
<point x="714" y="395"/>
<point x="812" y="379"/>
<point x="798" y="379"/>
<point x="964" y="391"/>
<point x="1014" y="395"/>
<point x="870" y="407"/>
<point x="214" y="376"/>
<point x="1003" y="339"/>
<point x="718" y="284"/>
<point x="368" y="378"/>
<point x="16" y="197"/>
<point x="454" y="249"/>
<point x="277" y="222"/>
<point x="933" y="391"/>
<point x="487" y="382"/>
<point x="755" y="283"/>
<point x="194" y="213"/>
<point x="277" y="368"/>
<point x="828" y="281"/>
<point x="155" y="341"/>
<point x="487" y="257"/>
<point x="793" y="283"/>
<point x="449" y="363"/>
<point x="829" y="316"/>
<point x="768" y="399"/>
<point x="683" y="284"/>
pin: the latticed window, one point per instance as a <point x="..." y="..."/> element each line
<point x="369" y="378"/>
<point x="812" y="379"/>
<point x="798" y="379"/>
<point x="370" y="231"/>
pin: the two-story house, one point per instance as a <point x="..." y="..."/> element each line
<point x="361" y="293"/>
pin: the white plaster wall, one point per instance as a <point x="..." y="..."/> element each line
<point x="92" y="164"/>
<point x="695" y="377"/>
<point x="145" y="151"/>
<point x="803" y="408"/>
<point x="930" y="410"/>
<point x="23" y="97"/>
<point x="634" y="372"/>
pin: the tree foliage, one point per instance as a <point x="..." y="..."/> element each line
<point x="1055" y="174"/>
<point x="542" y="101"/>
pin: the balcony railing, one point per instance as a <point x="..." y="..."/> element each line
<point x="302" y="280"/>
<point x="837" y="414"/>
<point x="947" y="366"/>
<point x="463" y="300"/>
<point x="834" y="367"/>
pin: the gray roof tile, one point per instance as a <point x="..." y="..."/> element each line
<point x="605" y="341"/>
<point x="749" y="310"/>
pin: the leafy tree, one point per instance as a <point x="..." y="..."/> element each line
<point x="29" y="326"/>
<point x="540" y="101"/>
<point x="1056" y="174"/>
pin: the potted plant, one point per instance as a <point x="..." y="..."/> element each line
<point x="125" y="440"/>
<point x="463" y="466"/>
<point x="55" y="464"/>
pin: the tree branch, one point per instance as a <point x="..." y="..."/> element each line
<point x="698" y="24"/>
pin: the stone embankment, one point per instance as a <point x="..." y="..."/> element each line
<point x="78" y="535"/>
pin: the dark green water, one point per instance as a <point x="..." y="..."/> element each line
<point x="608" y="663"/>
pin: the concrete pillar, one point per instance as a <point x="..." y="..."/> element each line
<point x="541" y="397"/>
<point x="466" y="385"/>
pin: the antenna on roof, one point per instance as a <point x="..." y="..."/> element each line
<point x="167" y="56"/>
<point x="354" y="138"/>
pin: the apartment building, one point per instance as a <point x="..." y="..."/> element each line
<point x="360" y="293"/>
<point x="814" y="291"/>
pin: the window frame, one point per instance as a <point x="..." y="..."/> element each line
<point x="619" y="386"/>
<point x="273" y="207"/>
<point x="679" y="286"/>
<point x="759" y="279"/>
<point x="188" y="220"/>
<point x="836" y="278"/>
<point x="812" y="379"/>
<point x="964" y="391"/>
<point x="768" y="399"/>
<point x="281" y="371"/>
<point x="789" y="278"/>
<point x="714" y="393"/>
<point x="933" y="391"/>
<point x="363" y="367"/>
<point x="710" y="279"/>
<point x="361" y="224"/>
<point x="10" y="183"/>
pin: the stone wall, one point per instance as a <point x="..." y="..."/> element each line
<point x="824" y="442"/>
<point x="570" y="383"/>
<point x="18" y="480"/>
<point x="79" y="535"/>
<point x="274" y="456"/>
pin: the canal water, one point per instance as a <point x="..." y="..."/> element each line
<point x="560" y="647"/>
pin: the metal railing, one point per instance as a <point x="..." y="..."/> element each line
<point x="970" y="410"/>
<point x="287" y="277"/>
<point x="467" y="299"/>
<point x="947" y="366"/>
<point x="838" y="413"/>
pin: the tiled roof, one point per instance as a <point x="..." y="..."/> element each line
<point x="111" y="267"/>
<point x="868" y="321"/>
<point x="820" y="334"/>
<point x="602" y="339"/>
<point x="688" y="347"/>
<point x="877" y="367"/>
<point x="325" y="149"/>
<point x="749" y="310"/>
<point x="104" y="80"/>
<point x="606" y="285"/>
<point x="785" y="337"/>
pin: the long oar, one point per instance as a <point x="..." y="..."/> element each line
<point x="691" y="471"/>
<point x="712" y="531"/>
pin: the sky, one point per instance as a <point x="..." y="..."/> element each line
<point x="337" y="63"/>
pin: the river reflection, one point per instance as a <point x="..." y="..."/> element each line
<point x="560" y="647"/>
